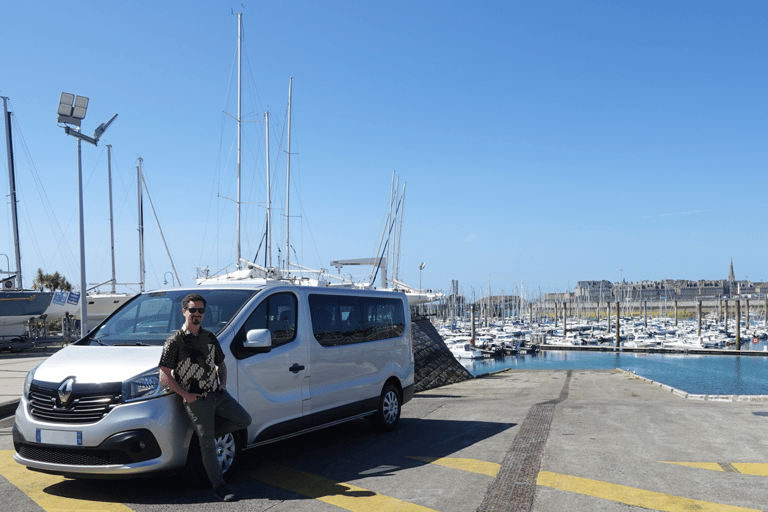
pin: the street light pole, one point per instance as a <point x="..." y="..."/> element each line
<point x="83" y="300"/>
<point x="71" y="111"/>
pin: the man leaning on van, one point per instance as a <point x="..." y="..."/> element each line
<point x="192" y="366"/>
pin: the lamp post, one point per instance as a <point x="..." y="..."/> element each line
<point x="421" y="267"/>
<point x="71" y="112"/>
<point x="165" y="281"/>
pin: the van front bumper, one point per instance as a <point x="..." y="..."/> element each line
<point x="132" y="440"/>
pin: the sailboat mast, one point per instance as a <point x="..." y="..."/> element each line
<point x="142" y="271"/>
<point x="12" y="182"/>
<point x="239" y="122"/>
<point x="111" y="219"/>
<point x="288" y="186"/>
<point x="269" y="196"/>
<point x="400" y="234"/>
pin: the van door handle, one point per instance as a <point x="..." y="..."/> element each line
<point x="296" y="368"/>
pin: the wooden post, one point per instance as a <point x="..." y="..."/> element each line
<point x="645" y="313"/>
<point x="738" y="324"/>
<point x="698" y="316"/>
<point x="618" y="337"/>
<point x="565" y="321"/>
<point x="725" y="316"/>
<point x="472" y="325"/>
<point x="747" y="322"/>
<point x="675" y="313"/>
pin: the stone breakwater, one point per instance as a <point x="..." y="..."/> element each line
<point x="435" y="365"/>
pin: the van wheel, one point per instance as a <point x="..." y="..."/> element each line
<point x="229" y="450"/>
<point x="388" y="414"/>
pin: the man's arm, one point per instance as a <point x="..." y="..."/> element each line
<point x="166" y="378"/>
<point x="222" y="369"/>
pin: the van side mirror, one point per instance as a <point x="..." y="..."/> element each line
<point x="259" y="339"/>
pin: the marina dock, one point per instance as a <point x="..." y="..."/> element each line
<point x="656" y="350"/>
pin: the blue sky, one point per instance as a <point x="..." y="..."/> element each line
<point x="541" y="142"/>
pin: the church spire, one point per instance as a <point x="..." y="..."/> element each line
<point x="731" y="277"/>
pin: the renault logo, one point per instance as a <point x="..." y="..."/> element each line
<point x="65" y="392"/>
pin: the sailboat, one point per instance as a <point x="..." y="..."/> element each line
<point x="102" y="304"/>
<point x="292" y="273"/>
<point x="17" y="305"/>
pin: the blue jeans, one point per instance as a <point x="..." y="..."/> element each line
<point x="213" y="416"/>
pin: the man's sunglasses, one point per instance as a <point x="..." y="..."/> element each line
<point x="196" y="310"/>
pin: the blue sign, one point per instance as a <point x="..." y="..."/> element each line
<point x="59" y="298"/>
<point x="74" y="298"/>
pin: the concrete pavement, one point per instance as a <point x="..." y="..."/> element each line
<point x="15" y="362"/>
<point x="522" y="440"/>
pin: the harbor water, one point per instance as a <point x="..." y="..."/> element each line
<point x="696" y="374"/>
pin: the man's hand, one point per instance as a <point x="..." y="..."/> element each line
<point x="190" y="397"/>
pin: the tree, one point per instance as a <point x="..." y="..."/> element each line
<point x="52" y="282"/>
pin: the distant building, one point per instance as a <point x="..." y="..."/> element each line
<point x="669" y="289"/>
<point x="593" y="291"/>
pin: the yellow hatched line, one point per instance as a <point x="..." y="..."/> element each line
<point x="631" y="496"/>
<point x="472" y="465"/>
<point x="343" y="495"/>
<point x="33" y="484"/>
<point x="746" y="468"/>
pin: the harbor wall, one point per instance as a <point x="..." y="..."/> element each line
<point x="435" y="366"/>
<point x="656" y="308"/>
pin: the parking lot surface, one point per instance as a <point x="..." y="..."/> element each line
<point x="520" y="440"/>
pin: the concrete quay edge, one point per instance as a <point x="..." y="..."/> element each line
<point x="693" y="396"/>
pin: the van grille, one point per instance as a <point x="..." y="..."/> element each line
<point x="73" y="456"/>
<point x="89" y="402"/>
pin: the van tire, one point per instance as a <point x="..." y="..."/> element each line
<point x="229" y="449"/>
<point x="388" y="414"/>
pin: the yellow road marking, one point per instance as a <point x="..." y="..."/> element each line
<point x="746" y="468"/>
<point x="472" y="465"/>
<point x="630" y="495"/>
<point x="712" y="466"/>
<point x="33" y="484"/>
<point x="343" y="495"/>
<point x="751" y="468"/>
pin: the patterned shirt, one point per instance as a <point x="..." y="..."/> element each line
<point x="193" y="360"/>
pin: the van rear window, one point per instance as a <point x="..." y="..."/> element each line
<point x="347" y="319"/>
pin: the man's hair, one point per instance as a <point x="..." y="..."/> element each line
<point x="192" y="297"/>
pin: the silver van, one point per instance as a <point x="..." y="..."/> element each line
<point x="299" y="358"/>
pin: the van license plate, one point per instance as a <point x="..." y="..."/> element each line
<point x="62" y="437"/>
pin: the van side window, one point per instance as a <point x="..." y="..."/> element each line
<point x="344" y="320"/>
<point x="277" y="313"/>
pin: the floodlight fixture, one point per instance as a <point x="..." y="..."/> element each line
<point x="81" y="104"/>
<point x="102" y="128"/>
<point x="72" y="108"/>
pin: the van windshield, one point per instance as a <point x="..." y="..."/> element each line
<point x="150" y="318"/>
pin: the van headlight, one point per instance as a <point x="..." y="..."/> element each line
<point x="29" y="379"/>
<point x="144" y="386"/>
